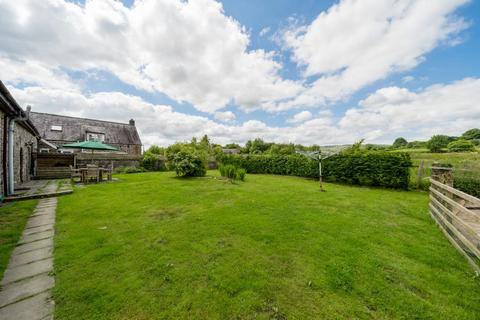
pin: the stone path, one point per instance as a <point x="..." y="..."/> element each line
<point x="25" y="291"/>
<point x="41" y="189"/>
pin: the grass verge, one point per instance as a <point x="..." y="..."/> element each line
<point x="13" y="217"/>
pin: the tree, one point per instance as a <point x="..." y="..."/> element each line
<point x="205" y="142"/>
<point x="400" y="143"/>
<point x="232" y="146"/>
<point x="256" y="146"/>
<point x="438" y="142"/>
<point x="417" y="144"/>
<point x="461" y="145"/>
<point x="155" y="150"/>
<point x="355" y="148"/>
<point x="471" y="134"/>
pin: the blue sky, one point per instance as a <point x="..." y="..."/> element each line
<point x="293" y="71"/>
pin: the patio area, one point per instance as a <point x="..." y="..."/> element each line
<point x="41" y="189"/>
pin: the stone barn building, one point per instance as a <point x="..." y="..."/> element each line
<point x="57" y="130"/>
<point x="18" y="141"/>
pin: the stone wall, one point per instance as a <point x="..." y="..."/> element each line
<point x="2" y="138"/>
<point x="108" y="159"/>
<point x="25" y="143"/>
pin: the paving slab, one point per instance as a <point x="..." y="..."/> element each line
<point x="43" y="210"/>
<point x="37" y="307"/>
<point x="41" y="219"/>
<point x="33" y="246"/>
<point x="24" y="271"/>
<point x="36" y="236"/>
<point x="26" y="288"/>
<point x="34" y="230"/>
<point x="31" y="256"/>
<point x="35" y="222"/>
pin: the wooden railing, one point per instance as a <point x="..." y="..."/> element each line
<point x="458" y="215"/>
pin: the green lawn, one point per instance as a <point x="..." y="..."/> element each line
<point x="153" y="246"/>
<point x="13" y="217"/>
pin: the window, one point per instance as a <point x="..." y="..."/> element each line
<point x="95" y="136"/>
<point x="56" y="128"/>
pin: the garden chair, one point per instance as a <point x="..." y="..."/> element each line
<point x="92" y="173"/>
<point x="75" y="173"/>
<point x="108" y="173"/>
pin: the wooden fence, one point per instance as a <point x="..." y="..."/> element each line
<point x="458" y="215"/>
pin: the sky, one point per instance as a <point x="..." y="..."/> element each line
<point x="309" y="72"/>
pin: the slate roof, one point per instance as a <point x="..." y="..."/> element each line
<point x="12" y="109"/>
<point x="74" y="129"/>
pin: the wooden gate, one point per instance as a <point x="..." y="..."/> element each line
<point x="458" y="215"/>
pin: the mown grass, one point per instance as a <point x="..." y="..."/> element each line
<point x="13" y="217"/>
<point x="153" y="246"/>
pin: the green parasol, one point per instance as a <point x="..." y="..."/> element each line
<point x="91" y="145"/>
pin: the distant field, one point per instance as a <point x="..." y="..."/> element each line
<point x="457" y="159"/>
<point x="466" y="163"/>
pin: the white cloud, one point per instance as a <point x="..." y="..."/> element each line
<point x="160" y="124"/>
<point x="226" y="116"/>
<point x="382" y="116"/>
<point x="355" y="43"/>
<point x="407" y="79"/>
<point x="264" y="31"/>
<point x="192" y="52"/>
<point x="443" y="108"/>
<point x="188" y="50"/>
<point x="30" y="72"/>
<point x="301" y="117"/>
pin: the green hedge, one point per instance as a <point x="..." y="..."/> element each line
<point x="470" y="185"/>
<point x="384" y="169"/>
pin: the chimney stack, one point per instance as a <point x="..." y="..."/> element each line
<point x="29" y="108"/>
<point x="132" y="122"/>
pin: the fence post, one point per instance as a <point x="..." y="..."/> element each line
<point x="442" y="174"/>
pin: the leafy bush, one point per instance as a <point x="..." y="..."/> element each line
<point x="460" y="146"/>
<point x="241" y="173"/>
<point x="153" y="162"/>
<point x="188" y="162"/>
<point x="470" y="185"/>
<point x="438" y="142"/>
<point x="128" y="170"/>
<point x="364" y="168"/>
<point x="231" y="172"/>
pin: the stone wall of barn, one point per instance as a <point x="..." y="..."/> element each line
<point x="25" y="143"/>
<point x="2" y="138"/>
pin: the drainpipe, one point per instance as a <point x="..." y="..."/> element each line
<point x="11" y="171"/>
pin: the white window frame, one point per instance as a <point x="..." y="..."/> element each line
<point x="99" y="136"/>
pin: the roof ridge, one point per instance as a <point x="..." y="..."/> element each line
<point x="61" y="115"/>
